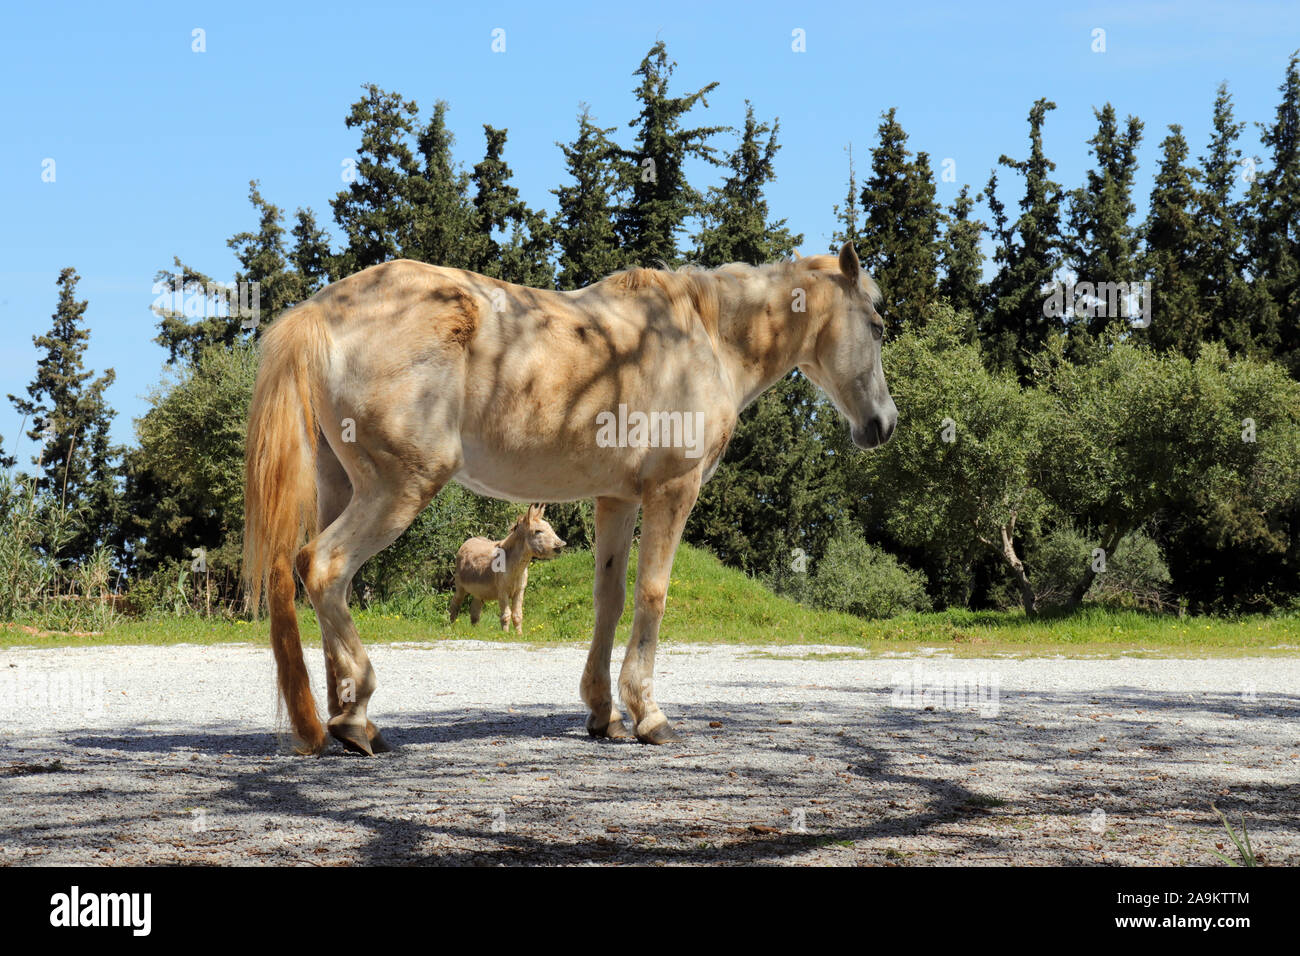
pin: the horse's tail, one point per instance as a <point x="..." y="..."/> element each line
<point x="280" y="496"/>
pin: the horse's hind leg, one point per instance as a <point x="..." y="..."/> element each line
<point x="333" y="493"/>
<point x="665" y="507"/>
<point x="475" y="609"/>
<point x="372" y="521"/>
<point x="615" y="523"/>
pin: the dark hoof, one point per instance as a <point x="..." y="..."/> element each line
<point x="377" y="742"/>
<point x="614" y="730"/>
<point x="663" y="734"/>
<point x="351" y="736"/>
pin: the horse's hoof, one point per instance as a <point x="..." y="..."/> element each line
<point x="351" y="736"/>
<point x="659" y="734"/>
<point x="377" y="742"/>
<point x="614" y="730"/>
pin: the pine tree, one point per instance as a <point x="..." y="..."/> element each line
<point x="661" y="199"/>
<point x="899" y="240"/>
<point x="71" y="418"/>
<point x="1273" y="233"/>
<point x="1102" y="244"/>
<point x="375" y="210"/>
<point x="584" y="222"/>
<point x="735" y="226"/>
<point x="1170" y="258"/>
<point x="963" y="261"/>
<point x="1028" y="252"/>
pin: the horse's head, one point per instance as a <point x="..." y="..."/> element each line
<point x="846" y="358"/>
<point x="539" y="537"/>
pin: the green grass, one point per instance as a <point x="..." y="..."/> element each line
<point x="710" y="603"/>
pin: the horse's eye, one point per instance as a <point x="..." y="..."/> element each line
<point x="878" y="331"/>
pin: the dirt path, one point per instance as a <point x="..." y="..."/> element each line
<point x="157" y="755"/>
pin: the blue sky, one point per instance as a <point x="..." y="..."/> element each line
<point x="154" y="144"/>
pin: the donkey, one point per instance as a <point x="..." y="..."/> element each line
<point x="384" y="386"/>
<point x="498" y="570"/>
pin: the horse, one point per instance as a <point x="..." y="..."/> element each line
<point x="498" y="570"/>
<point x="382" y="387"/>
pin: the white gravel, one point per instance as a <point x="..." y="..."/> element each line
<point x="155" y="755"/>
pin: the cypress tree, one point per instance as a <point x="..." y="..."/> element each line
<point x="1102" y="243"/>
<point x="735" y="217"/>
<point x="1027" y="251"/>
<point x="847" y="215"/>
<point x="960" y="254"/>
<point x="188" y="320"/>
<point x="899" y="241"/>
<point x="443" y="213"/>
<point x="1170" y="258"/>
<point x="584" y="221"/>
<point x="264" y="260"/>
<point x="70" y="417"/>
<point x="1235" y="306"/>
<point x="525" y="259"/>
<point x="375" y="210"/>
<point x="661" y="199"/>
<point x="311" y="257"/>
<point x="1273" y="232"/>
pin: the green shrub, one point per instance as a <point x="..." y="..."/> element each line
<point x="857" y="578"/>
<point x="1136" y="574"/>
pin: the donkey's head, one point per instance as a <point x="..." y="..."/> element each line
<point x="846" y="360"/>
<point x="538" y="536"/>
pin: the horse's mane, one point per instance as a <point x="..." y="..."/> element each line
<point x="695" y="292"/>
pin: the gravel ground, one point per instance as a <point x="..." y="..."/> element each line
<point x="162" y="755"/>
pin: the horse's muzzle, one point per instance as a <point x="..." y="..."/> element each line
<point x="875" y="432"/>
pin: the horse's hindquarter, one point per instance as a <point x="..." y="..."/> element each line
<point x="545" y="370"/>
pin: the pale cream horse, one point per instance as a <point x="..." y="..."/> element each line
<point x="384" y="386"/>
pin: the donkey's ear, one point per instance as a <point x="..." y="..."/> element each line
<point x="541" y="509"/>
<point x="849" y="264"/>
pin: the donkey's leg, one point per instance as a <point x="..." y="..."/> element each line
<point x="457" y="600"/>
<point x="666" y="506"/>
<point x="372" y="521"/>
<point x="504" y="602"/>
<point x="517" y="610"/>
<point x="615" y="522"/>
<point x="475" y="609"/>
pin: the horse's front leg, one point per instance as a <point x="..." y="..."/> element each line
<point x="666" y="506"/>
<point x="615" y="522"/>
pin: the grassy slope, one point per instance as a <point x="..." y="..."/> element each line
<point x="709" y="603"/>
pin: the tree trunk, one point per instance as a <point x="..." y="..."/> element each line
<point x="1108" y="545"/>
<point x="1027" y="596"/>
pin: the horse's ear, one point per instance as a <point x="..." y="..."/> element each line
<point x="849" y="264"/>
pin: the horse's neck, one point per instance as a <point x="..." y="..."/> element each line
<point x="762" y="343"/>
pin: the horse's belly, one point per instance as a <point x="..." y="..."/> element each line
<point x="526" y="477"/>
